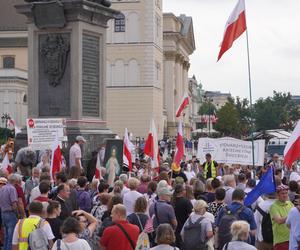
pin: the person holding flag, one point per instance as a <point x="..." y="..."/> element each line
<point x="128" y="147"/>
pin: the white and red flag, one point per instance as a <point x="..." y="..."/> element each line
<point x="98" y="167"/>
<point x="184" y="103"/>
<point x="11" y="123"/>
<point x="151" y="146"/>
<point x="179" y="152"/>
<point x="292" y="148"/>
<point x="235" y="26"/>
<point x="5" y="166"/>
<point x="55" y="159"/>
<point x="128" y="147"/>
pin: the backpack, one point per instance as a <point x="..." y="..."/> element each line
<point x="192" y="239"/>
<point x="266" y="226"/>
<point x="37" y="239"/>
<point x="224" y="234"/>
<point x="143" y="242"/>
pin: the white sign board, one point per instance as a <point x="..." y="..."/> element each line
<point x="42" y="133"/>
<point x="231" y="151"/>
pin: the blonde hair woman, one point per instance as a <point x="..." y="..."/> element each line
<point x="240" y="232"/>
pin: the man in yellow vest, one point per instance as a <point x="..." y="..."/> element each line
<point x="26" y="226"/>
<point x="209" y="167"/>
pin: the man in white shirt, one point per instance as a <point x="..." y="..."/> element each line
<point x="35" y="211"/>
<point x="75" y="153"/>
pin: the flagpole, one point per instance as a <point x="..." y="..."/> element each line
<point x="250" y="95"/>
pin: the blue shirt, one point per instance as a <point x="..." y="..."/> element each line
<point x="246" y="214"/>
<point x="293" y="221"/>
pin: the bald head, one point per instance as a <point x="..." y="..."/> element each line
<point x="118" y="212"/>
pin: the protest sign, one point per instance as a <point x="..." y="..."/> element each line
<point x="41" y="133"/>
<point x="232" y="151"/>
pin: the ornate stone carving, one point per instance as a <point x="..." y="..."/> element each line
<point x="55" y="51"/>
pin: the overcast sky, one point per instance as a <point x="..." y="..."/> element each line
<point x="274" y="35"/>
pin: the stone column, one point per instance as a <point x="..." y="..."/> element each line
<point x="67" y="65"/>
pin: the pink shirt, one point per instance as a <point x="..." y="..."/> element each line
<point x="75" y="152"/>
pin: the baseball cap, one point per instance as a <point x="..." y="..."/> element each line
<point x="80" y="138"/>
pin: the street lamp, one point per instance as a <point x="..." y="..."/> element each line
<point x="208" y="101"/>
<point x="5" y="117"/>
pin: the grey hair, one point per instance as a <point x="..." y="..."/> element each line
<point x="123" y="178"/>
<point x="228" y="178"/>
<point x="36" y="168"/>
<point x="14" y="178"/>
<point x="240" y="230"/>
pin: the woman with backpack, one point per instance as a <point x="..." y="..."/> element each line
<point x="240" y="233"/>
<point x="197" y="230"/>
<point x="139" y="217"/>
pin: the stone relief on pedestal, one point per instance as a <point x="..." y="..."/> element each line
<point x="55" y="51"/>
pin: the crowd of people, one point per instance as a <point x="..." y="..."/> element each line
<point x="191" y="206"/>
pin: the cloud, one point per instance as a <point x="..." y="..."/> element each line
<point x="274" y="45"/>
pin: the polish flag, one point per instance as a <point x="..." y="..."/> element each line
<point x="98" y="168"/>
<point x="151" y="146"/>
<point x="292" y="148"/>
<point x="235" y="26"/>
<point x="179" y="152"/>
<point x="55" y="159"/>
<point x="11" y="123"/>
<point x="128" y="147"/>
<point x="5" y="166"/>
<point x="184" y="103"/>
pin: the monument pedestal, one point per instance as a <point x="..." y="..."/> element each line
<point x="67" y="65"/>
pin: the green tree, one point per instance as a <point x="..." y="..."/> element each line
<point x="228" y="123"/>
<point x="278" y="111"/>
<point x="207" y="108"/>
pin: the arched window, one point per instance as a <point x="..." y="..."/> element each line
<point x="25" y="98"/>
<point x="120" y="23"/>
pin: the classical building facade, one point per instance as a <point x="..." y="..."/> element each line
<point x="13" y="63"/>
<point x="135" y="67"/>
<point x="147" y="66"/>
<point x="179" y="44"/>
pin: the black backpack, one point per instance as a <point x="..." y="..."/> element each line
<point x="224" y="234"/>
<point x="266" y="226"/>
<point x="192" y="239"/>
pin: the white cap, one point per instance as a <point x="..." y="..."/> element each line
<point x="80" y="138"/>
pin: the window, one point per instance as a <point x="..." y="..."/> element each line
<point x="8" y="62"/>
<point x="120" y="23"/>
<point x="25" y="98"/>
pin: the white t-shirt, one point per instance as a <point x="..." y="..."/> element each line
<point x="129" y="201"/>
<point x="45" y="226"/>
<point x="75" y="152"/>
<point x="164" y="247"/>
<point x="294" y="176"/>
<point x="35" y="192"/>
<point x="238" y="245"/>
<point x="124" y="191"/>
<point x="79" y="244"/>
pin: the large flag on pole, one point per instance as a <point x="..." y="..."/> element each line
<point x="292" y="148"/>
<point x="184" y="103"/>
<point x="127" y="149"/>
<point x="55" y="159"/>
<point x="151" y="145"/>
<point x="179" y="152"/>
<point x="235" y="26"/>
<point x="266" y="185"/>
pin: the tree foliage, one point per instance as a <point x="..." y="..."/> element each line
<point x="207" y="108"/>
<point x="228" y="120"/>
<point x="278" y="111"/>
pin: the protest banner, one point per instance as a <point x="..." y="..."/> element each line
<point x="231" y="151"/>
<point x="41" y="133"/>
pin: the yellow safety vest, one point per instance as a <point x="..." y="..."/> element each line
<point x="213" y="170"/>
<point x="25" y="227"/>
